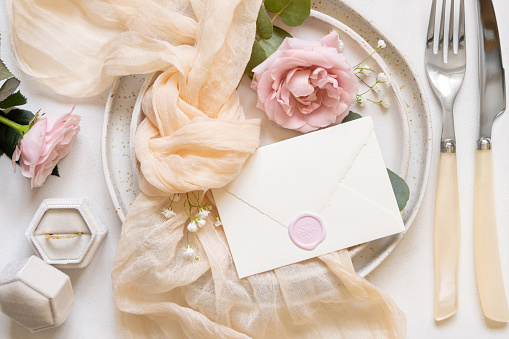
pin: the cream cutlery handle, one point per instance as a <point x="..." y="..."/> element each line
<point x="446" y="238"/>
<point x="487" y="256"/>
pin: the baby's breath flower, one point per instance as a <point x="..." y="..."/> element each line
<point x="168" y="213"/>
<point x="361" y="100"/>
<point x="341" y="45"/>
<point x="176" y="197"/>
<point x="376" y="88"/>
<point x="200" y="222"/>
<point x="193" y="226"/>
<point x="381" y="44"/>
<point x="202" y="213"/>
<point x="386" y="102"/>
<point x="218" y="222"/>
<point x="189" y="252"/>
<point x="382" y="78"/>
<point x="366" y="70"/>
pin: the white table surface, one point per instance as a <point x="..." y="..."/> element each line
<point x="407" y="275"/>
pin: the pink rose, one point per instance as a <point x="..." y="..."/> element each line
<point x="49" y="140"/>
<point x="306" y="85"/>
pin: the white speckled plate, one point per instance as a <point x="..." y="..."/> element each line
<point x="404" y="130"/>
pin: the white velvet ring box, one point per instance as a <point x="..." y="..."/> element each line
<point x="66" y="233"/>
<point x="35" y="294"/>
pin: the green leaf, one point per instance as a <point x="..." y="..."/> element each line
<point x="351" y="116"/>
<point x="8" y="88"/>
<point x="9" y="136"/>
<point x="257" y="57"/>
<point x="4" y="72"/>
<point x="15" y="99"/>
<point x="292" y="12"/>
<point x="276" y="6"/>
<point x="20" y="116"/>
<point x="55" y="171"/>
<point x="272" y="44"/>
<point x="400" y="188"/>
<point x="296" y="12"/>
<point x="263" y="24"/>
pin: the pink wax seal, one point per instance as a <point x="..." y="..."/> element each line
<point x="307" y="230"/>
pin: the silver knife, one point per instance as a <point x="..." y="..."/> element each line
<point x="492" y="91"/>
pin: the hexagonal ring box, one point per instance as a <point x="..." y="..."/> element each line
<point x="66" y="233"/>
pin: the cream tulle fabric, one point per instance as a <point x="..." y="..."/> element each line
<point x="194" y="138"/>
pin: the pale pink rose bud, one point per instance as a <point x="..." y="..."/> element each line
<point x="41" y="148"/>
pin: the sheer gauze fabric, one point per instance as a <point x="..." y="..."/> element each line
<point x="194" y="137"/>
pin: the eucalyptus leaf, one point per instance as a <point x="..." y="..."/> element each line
<point x="351" y="116"/>
<point x="4" y="72"/>
<point x="8" y="88"/>
<point x="258" y="55"/>
<point x="263" y="24"/>
<point x="296" y="12"/>
<point x="276" y="6"/>
<point x="400" y="188"/>
<point x="9" y="136"/>
<point x="15" y="99"/>
<point x="272" y="44"/>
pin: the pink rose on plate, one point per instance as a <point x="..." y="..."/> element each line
<point x="306" y="85"/>
<point x="48" y="140"/>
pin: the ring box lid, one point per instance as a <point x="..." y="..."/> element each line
<point x="35" y="294"/>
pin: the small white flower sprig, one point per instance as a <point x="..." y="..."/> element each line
<point x="197" y="214"/>
<point x="364" y="70"/>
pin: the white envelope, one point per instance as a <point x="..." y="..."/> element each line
<point x="337" y="173"/>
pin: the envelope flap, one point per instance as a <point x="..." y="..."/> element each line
<point x="368" y="180"/>
<point x="302" y="173"/>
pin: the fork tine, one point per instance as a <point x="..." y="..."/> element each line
<point x="444" y="30"/>
<point x="439" y="27"/>
<point x="431" y="25"/>
<point x="461" y="29"/>
<point x="453" y="27"/>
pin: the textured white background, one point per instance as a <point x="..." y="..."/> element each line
<point x="407" y="275"/>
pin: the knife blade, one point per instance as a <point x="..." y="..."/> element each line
<point x="492" y="104"/>
<point x="491" y="70"/>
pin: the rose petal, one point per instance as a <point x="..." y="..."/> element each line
<point x="330" y="40"/>
<point x="323" y="116"/>
<point x="329" y="99"/>
<point x="295" y="121"/>
<point x="296" y="44"/>
<point x="309" y="104"/>
<point x="298" y="83"/>
<point x="264" y="88"/>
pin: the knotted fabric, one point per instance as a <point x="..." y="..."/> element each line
<point x="194" y="137"/>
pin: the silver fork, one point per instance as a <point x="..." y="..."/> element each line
<point x="445" y="62"/>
